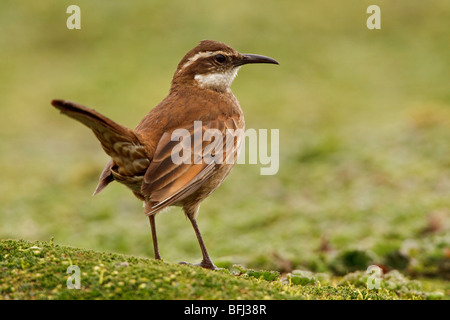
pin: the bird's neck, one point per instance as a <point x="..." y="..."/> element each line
<point x="205" y="99"/>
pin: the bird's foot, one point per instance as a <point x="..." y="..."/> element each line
<point x="203" y="264"/>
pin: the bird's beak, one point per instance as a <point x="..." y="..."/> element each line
<point x="254" y="58"/>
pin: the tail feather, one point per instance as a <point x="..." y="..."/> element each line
<point x="103" y="127"/>
<point x="119" y="142"/>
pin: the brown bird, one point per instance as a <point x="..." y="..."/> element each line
<point x="200" y="105"/>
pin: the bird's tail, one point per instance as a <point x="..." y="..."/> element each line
<point x="120" y="143"/>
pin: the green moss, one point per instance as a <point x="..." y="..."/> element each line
<point x="352" y="260"/>
<point x="300" y="277"/>
<point x="38" y="270"/>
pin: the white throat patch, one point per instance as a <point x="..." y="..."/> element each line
<point x="218" y="81"/>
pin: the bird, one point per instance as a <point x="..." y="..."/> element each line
<point x="200" y="103"/>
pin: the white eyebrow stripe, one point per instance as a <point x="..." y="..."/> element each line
<point x="200" y="55"/>
<point x="196" y="57"/>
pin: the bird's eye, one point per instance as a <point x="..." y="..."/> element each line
<point x="220" y="58"/>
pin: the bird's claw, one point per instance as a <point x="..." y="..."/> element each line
<point x="203" y="264"/>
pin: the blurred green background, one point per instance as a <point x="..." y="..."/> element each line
<point x="364" y="120"/>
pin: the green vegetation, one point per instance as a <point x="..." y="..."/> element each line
<point x="38" y="270"/>
<point x="364" y="122"/>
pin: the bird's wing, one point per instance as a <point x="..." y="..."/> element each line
<point x="181" y="165"/>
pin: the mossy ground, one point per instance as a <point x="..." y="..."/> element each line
<point x="39" y="270"/>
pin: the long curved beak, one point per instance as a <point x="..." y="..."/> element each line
<point x="254" y="58"/>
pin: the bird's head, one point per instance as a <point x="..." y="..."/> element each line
<point x="213" y="65"/>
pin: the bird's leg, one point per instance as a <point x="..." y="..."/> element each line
<point x="206" y="262"/>
<point x="154" y="238"/>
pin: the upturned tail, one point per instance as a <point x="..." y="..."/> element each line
<point x="120" y="143"/>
